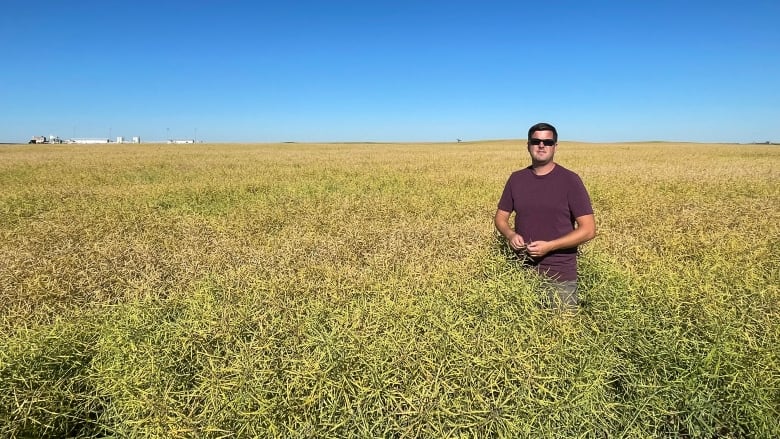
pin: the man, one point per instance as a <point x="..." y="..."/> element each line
<point x="553" y="215"/>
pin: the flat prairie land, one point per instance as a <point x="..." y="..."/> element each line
<point x="360" y="290"/>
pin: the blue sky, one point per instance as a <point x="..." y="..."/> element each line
<point x="256" y="71"/>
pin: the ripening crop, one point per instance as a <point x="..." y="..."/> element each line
<point x="360" y="290"/>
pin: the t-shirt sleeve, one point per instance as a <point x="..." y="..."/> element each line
<point x="506" y="203"/>
<point x="579" y="200"/>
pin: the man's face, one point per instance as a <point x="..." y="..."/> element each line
<point x="541" y="154"/>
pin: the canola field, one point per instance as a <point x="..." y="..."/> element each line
<point x="360" y="290"/>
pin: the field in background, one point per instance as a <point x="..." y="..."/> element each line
<point x="336" y="290"/>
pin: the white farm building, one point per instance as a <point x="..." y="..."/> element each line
<point x="89" y="141"/>
<point x="95" y="141"/>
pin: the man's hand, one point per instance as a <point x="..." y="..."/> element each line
<point x="537" y="249"/>
<point x="516" y="242"/>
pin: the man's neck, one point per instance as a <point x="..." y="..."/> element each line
<point x="542" y="169"/>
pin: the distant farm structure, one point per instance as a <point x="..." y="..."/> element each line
<point x="84" y="141"/>
<point x="113" y="140"/>
<point x="104" y="140"/>
<point x="89" y="141"/>
<point x="44" y="139"/>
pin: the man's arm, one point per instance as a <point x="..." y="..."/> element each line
<point x="501" y="220"/>
<point x="585" y="231"/>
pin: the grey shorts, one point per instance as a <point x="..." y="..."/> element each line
<point x="562" y="295"/>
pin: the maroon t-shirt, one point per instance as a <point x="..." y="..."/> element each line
<point x="545" y="207"/>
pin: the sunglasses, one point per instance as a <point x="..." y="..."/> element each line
<point x="547" y="142"/>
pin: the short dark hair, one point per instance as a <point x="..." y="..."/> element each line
<point x="542" y="126"/>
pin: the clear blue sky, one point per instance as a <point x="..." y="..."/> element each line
<point x="230" y="71"/>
